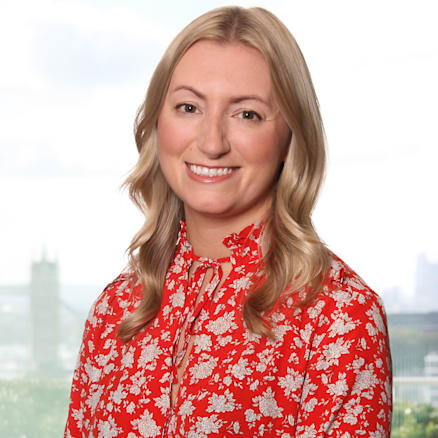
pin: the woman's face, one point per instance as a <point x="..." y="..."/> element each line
<point x="221" y="137"/>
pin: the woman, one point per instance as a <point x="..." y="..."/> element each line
<point x="233" y="318"/>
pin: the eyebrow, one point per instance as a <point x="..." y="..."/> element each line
<point x="236" y="99"/>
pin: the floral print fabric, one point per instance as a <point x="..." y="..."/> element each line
<point x="327" y="374"/>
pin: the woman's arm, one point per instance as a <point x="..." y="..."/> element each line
<point x="347" y="390"/>
<point x="85" y="390"/>
<point x="81" y="378"/>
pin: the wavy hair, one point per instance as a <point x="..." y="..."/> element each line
<point x="295" y="258"/>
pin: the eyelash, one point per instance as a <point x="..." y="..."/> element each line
<point x="185" y="105"/>
<point x="253" y="115"/>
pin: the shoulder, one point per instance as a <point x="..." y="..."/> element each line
<point x="117" y="299"/>
<point x="346" y="288"/>
<point x="346" y="303"/>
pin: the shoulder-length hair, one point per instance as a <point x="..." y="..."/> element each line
<point x="295" y="259"/>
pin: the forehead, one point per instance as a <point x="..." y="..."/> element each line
<point x="230" y="65"/>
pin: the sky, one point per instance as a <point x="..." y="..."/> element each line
<point x="73" y="74"/>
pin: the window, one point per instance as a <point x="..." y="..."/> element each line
<point x="74" y="75"/>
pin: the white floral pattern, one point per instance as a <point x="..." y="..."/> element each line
<point x="328" y="374"/>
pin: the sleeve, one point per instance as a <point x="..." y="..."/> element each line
<point x="85" y="390"/>
<point x="75" y="415"/>
<point x="347" y="391"/>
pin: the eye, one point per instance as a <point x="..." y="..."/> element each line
<point x="187" y="108"/>
<point x="249" y="115"/>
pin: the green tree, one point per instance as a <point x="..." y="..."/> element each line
<point x="414" y="420"/>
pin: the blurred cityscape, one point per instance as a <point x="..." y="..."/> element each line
<point x="41" y="326"/>
<point x="425" y="297"/>
<point x="41" y="323"/>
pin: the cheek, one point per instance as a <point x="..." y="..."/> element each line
<point x="264" y="148"/>
<point x="166" y="141"/>
<point x="173" y="135"/>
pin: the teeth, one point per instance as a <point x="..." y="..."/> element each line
<point x="210" y="172"/>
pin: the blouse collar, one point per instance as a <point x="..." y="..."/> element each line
<point x="246" y="242"/>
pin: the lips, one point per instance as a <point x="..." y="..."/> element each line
<point x="210" y="172"/>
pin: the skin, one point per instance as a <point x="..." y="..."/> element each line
<point x="219" y="113"/>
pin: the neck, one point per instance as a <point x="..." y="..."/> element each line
<point x="207" y="233"/>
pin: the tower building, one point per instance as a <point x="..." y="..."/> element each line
<point x="44" y="313"/>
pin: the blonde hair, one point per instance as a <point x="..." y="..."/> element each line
<point x="295" y="258"/>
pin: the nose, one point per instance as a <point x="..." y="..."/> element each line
<point x="213" y="141"/>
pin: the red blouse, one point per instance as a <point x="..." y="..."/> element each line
<point x="327" y="374"/>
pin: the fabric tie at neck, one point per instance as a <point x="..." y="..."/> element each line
<point x="193" y="290"/>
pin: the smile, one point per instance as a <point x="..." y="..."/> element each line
<point x="210" y="171"/>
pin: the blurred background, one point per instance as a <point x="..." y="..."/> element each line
<point x="72" y="75"/>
